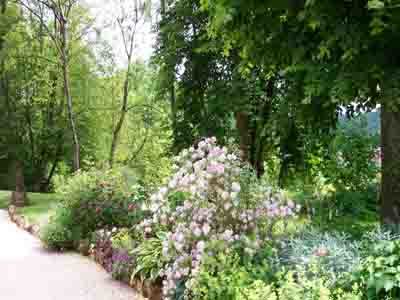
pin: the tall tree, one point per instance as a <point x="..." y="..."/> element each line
<point x="61" y="13"/>
<point x="169" y="73"/>
<point x="127" y="21"/>
<point x="213" y="97"/>
<point x="12" y="129"/>
<point x="339" y="53"/>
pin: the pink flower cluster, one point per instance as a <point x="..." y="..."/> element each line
<point x="215" y="209"/>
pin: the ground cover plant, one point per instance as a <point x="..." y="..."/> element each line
<point x="334" y="254"/>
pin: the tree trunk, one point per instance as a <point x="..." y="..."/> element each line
<point x="67" y="94"/>
<point x="39" y="177"/>
<point x="172" y="95"/>
<point x="163" y="6"/>
<point x="390" y="186"/>
<point x="259" y="162"/>
<point x="242" y="124"/>
<point x="18" y="197"/>
<point x="3" y="7"/>
<point x="174" y="115"/>
<point x="120" y="123"/>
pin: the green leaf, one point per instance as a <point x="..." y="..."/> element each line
<point x="376" y="4"/>
<point x="388" y="285"/>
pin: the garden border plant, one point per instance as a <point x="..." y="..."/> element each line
<point x="208" y="233"/>
<point x="212" y="196"/>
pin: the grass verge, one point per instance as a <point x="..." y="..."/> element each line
<point x="40" y="207"/>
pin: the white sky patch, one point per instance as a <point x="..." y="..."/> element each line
<point x="105" y="13"/>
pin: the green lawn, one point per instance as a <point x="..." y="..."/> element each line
<point x="39" y="208"/>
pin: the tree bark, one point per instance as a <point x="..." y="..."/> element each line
<point x="174" y="115"/>
<point x="242" y="124"/>
<point x="390" y="149"/>
<point x="3" y="7"/>
<point x="67" y="94"/>
<point x="18" y="197"/>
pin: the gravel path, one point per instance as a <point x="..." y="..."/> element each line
<point x="27" y="271"/>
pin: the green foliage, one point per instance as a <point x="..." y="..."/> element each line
<point x="145" y="137"/>
<point x="4" y="199"/>
<point x="362" y="203"/>
<point x="99" y="199"/>
<point x="334" y="254"/>
<point x="324" y="54"/>
<point x="231" y="273"/>
<point x="298" y="285"/>
<point x="351" y="165"/>
<point x="41" y="206"/>
<point x="60" y="233"/>
<point x="177" y="198"/>
<point x="221" y="277"/>
<point x="122" y="240"/>
<point x="379" y="274"/>
<point x="347" y="165"/>
<point x="259" y="290"/>
<point x="149" y="258"/>
<point x="202" y="101"/>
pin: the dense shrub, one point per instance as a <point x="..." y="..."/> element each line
<point x="211" y="197"/>
<point x="60" y="233"/>
<point x="379" y="274"/>
<point x="298" y="285"/>
<point x="227" y="272"/>
<point x="220" y="277"/>
<point x="94" y="200"/>
<point x="225" y="277"/>
<point x="349" y="162"/>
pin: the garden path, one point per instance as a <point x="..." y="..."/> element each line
<point x="27" y="271"/>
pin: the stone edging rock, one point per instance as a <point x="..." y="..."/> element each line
<point x="22" y="222"/>
<point x="149" y="290"/>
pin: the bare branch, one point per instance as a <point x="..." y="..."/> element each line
<point x="140" y="148"/>
<point x="40" y="18"/>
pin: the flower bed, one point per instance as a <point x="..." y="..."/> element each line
<point x="210" y="233"/>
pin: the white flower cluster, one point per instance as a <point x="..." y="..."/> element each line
<point x="209" y="177"/>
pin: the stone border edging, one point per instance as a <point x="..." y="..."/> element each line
<point x="22" y="222"/>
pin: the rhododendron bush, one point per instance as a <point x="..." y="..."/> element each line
<point x="209" y="199"/>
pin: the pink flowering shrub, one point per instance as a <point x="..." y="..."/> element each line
<point x="206" y="200"/>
